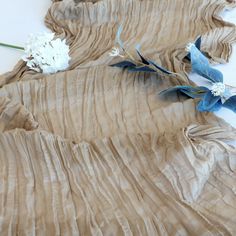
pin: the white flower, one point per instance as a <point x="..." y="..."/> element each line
<point x="115" y="52"/>
<point x="218" y="89"/>
<point x="189" y="46"/>
<point x="45" y="54"/>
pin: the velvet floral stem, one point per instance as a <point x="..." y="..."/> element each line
<point x="128" y="55"/>
<point x="11" y="46"/>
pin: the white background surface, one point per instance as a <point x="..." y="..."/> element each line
<point x="19" y="18"/>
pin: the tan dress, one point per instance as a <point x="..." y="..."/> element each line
<point x="95" y="151"/>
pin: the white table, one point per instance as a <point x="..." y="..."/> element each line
<point x="20" y="18"/>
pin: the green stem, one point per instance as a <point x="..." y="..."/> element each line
<point x="11" y="46"/>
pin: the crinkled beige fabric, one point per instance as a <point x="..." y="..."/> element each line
<point x="95" y="150"/>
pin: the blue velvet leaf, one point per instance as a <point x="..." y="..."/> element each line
<point x="209" y="102"/>
<point x="201" y="66"/>
<point x="195" y="92"/>
<point x="215" y="107"/>
<point x="142" y="58"/>
<point x="118" y="39"/>
<point x="231" y="103"/>
<point x="190" y="91"/>
<point x="188" y="57"/>
<point x="160" y="68"/>
<point x="132" y="67"/>
<point x="124" y="64"/>
<point x="148" y="62"/>
<point x="142" y="68"/>
<point x="198" y="43"/>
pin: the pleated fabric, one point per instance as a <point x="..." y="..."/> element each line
<point x="95" y="150"/>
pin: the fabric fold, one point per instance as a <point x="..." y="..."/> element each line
<point x="14" y="115"/>
<point x="85" y="24"/>
<point x="95" y="150"/>
<point x="113" y="185"/>
<point x="83" y="105"/>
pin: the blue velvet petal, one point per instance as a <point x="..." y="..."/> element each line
<point x="190" y="91"/>
<point x="209" y="102"/>
<point x="231" y="103"/>
<point x="201" y="66"/>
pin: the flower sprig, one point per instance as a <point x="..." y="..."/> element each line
<point x="43" y="53"/>
<point x="211" y="98"/>
<point x="142" y="64"/>
<point x="217" y="94"/>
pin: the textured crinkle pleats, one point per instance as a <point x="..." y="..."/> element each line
<point x="145" y="165"/>
<point x="221" y="49"/>
<point x="123" y="185"/>
<point x="96" y="151"/>
<point x="162" y="28"/>
<point x="14" y="115"/>
<point x="102" y="101"/>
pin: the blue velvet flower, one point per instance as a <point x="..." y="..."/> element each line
<point x="208" y="101"/>
<point x="211" y="99"/>
<point x="201" y="65"/>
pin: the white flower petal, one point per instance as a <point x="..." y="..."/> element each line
<point x="218" y="89"/>
<point x="114" y="52"/>
<point x="189" y="46"/>
<point x="44" y="52"/>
